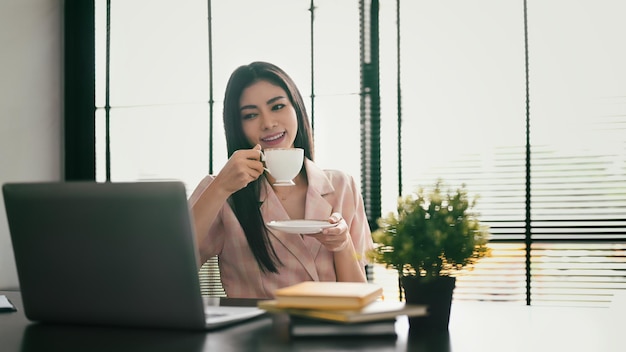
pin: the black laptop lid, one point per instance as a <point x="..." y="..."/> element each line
<point x="105" y="253"/>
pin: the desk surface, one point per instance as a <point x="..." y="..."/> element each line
<point x="483" y="327"/>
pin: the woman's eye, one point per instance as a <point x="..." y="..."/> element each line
<point x="248" y="116"/>
<point x="278" y="106"/>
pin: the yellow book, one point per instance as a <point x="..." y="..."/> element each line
<point x="327" y="295"/>
<point x="375" y="311"/>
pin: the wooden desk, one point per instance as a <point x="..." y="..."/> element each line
<point x="480" y="327"/>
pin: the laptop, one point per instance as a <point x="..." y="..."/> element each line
<point x="115" y="254"/>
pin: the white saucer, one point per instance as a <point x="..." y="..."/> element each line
<point x="305" y="227"/>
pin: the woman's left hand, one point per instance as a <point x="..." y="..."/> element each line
<point x="335" y="238"/>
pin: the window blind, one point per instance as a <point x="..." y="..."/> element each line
<point x="578" y="140"/>
<point x="465" y="124"/>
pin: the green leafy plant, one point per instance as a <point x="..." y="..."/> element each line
<point x="434" y="233"/>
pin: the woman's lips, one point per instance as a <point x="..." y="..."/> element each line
<point x="274" y="139"/>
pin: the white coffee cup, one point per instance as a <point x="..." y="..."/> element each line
<point x="283" y="164"/>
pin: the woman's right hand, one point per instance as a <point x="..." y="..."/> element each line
<point x="243" y="167"/>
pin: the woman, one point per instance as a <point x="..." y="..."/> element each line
<point x="264" y="109"/>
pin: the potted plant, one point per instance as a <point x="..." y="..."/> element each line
<point x="433" y="235"/>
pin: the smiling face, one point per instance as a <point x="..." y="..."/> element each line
<point x="268" y="116"/>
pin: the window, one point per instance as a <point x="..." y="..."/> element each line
<point x="463" y="87"/>
<point x="167" y="79"/>
<point x="457" y="88"/>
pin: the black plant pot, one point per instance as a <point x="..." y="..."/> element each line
<point x="437" y="294"/>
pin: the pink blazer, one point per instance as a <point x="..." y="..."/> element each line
<point x="304" y="258"/>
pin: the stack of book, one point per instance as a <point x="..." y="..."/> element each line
<point x="338" y="309"/>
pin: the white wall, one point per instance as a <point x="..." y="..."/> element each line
<point x="30" y="103"/>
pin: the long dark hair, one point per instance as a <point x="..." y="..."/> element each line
<point x="245" y="202"/>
